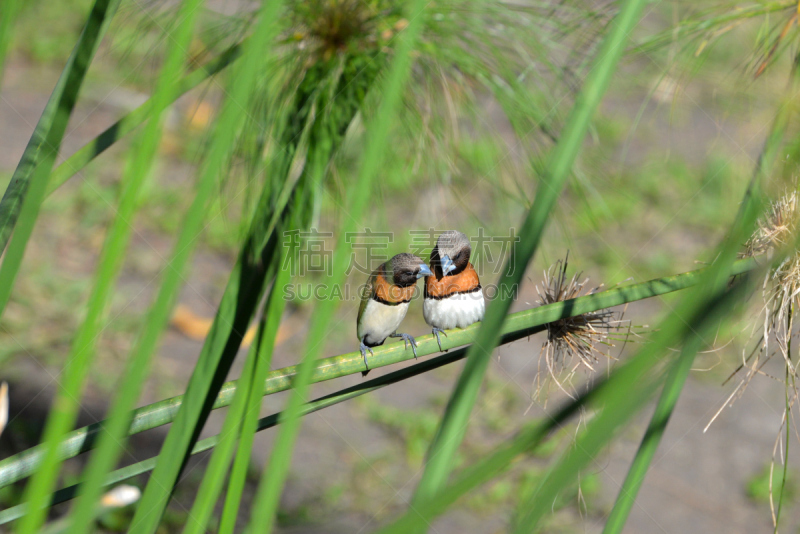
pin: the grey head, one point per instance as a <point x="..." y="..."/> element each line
<point x="451" y="254"/>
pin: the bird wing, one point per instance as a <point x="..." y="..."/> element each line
<point x="367" y="294"/>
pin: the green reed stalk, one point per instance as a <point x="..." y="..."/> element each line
<point x="19" y="207"/>
<point x="265" y="503"/>
<point x="67" y="401"/>
<point x="453" y="425"/>
<point x="181" y="438"/>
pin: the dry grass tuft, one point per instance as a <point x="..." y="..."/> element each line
<point x="776" y="232"/>
<point x="574" y="342"/>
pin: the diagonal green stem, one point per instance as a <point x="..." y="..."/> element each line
<point x="20" y="204"/>
<point x="66" y="404"/>
<point x="80" y="158"/>
<point x="8" y="15"/>
<point x="652" y="437"/>
<point x="265" y="503"/>
<point x="239" y="301"/>
<point x="453" y="425"/>
<point x="148" y="417"/>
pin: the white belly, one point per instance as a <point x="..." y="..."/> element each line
<point x="379" y="321"/>
<point x="460" y="310"/>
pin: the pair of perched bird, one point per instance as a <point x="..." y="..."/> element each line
<point x="453" y="294"/>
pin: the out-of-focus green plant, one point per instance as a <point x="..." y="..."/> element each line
<point x="309" y="85"/>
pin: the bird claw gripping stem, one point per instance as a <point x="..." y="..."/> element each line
<point x="436" y="332"/>
<point x="407" y="338"/>
<point x="364" y="350"/>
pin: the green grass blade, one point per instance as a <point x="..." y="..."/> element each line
<point x="114" y="431"/>
<point x="88" y="152"/>
<point x="20" y="204"/>
<point x="8" y="14"/>
<point x="696" y="316"/>
<point x="647" y="449"/>
<point x="217" y="468"/>
<point x="627" y="385"/>
<point x="66" y="404"/>
<point x="242" y="415"/>
<point x="265" y="504"/>
<point x="680" y="370"/>
<point x="241" y="465"/>
<point x="235" y="309"/>
<point x="455" y="420"/>
<point x="163" y="412"/>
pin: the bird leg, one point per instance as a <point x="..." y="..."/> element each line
<point x="436" y="332"/>
<point x="364" y="350"/>
<point x="406" y="340"/>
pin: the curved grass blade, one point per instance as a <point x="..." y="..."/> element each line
<point x="242" y="416"/>
<point x="163" y="412"/>
<point x="114" y="431"/>
<point x="265" y="503"/>
<point x="699" y="306"/>
<point x="66" y="404"/>
<point x="222" y="341"/>
<point x="680" y="370"/>
<point x="249" y="426"/>
<point x="20" y="204"/>
<point x="625" y="387"/>
<point x="456" y="417"/>
<point x="84" y="155"/>
<point x="8" y="14"/>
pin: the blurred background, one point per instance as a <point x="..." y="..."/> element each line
<point x="660" y="178"/>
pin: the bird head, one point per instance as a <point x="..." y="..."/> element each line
<point x="406" y="269"/>
<point x="451" y="253"/>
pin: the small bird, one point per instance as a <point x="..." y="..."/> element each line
<point x="453" y="294"/>
<point x="385" y="299"/>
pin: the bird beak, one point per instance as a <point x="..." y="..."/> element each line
<point x="424" y="270"/>
<point x="447" y="264"/>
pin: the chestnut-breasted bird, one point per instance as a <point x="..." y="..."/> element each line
<point x="453" y="294"/>
<point x="385" y="299"/>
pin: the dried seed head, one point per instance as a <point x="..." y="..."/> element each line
<point x="573" y="342"/>
<point x="777" y="230"/>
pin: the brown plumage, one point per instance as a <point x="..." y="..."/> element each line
<point x="453" y="294"/>
<point x="466" y="281"/>
<point x="384" y="301"/>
